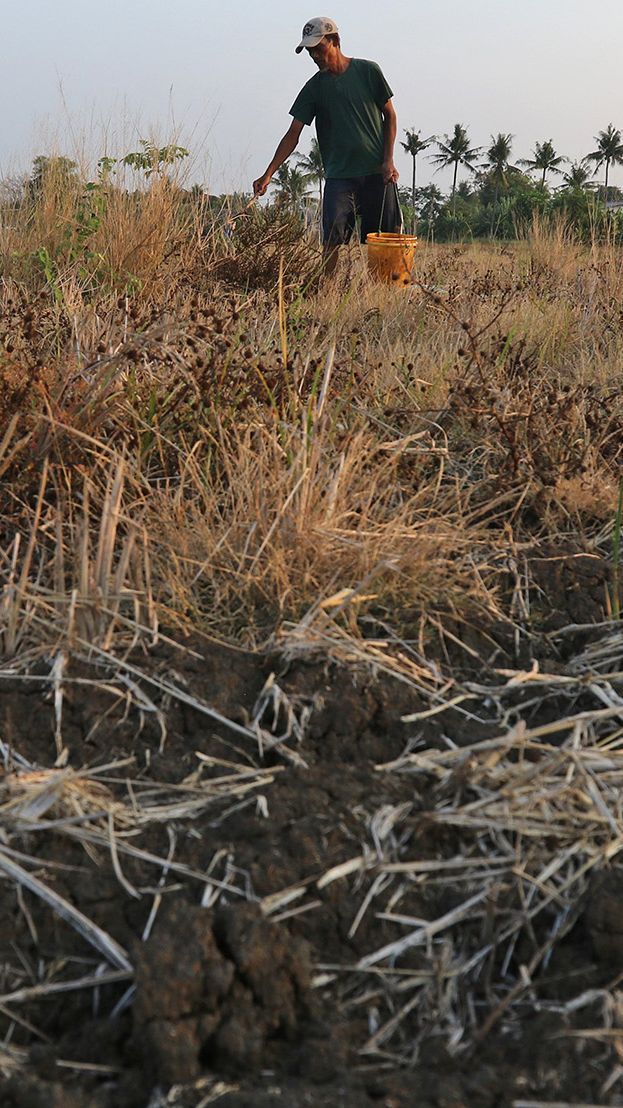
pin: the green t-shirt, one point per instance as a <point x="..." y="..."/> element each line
<point x="349" y="124"/>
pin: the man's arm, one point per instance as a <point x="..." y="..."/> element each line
<point x="390" y="173"/>
<point x="283" y="151"/>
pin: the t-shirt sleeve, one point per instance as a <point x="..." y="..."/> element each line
<point x="380" y="88"/>
<point x="304" y="107"/>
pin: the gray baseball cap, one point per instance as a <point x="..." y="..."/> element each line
<point x="315" y="30"/>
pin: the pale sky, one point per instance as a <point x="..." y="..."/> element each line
<point x="219" y="76"/>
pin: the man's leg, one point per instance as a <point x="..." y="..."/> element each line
<point x="338" y="221"/>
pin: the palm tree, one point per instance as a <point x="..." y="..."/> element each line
<point x="498" y="167"/>
<point x="464" y="190"/>
<point x="545" y="159"/>
<point x="430" y="202"/>
<point x="312" y="166"/>
<point x="577" y="177"/>
<point x="291" y="186"/>
<point x="455" y="151"/>
<point x="609" y="151"/>
<point x="414" y="146"/>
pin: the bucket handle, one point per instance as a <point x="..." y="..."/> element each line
<point x="395" y="186"/>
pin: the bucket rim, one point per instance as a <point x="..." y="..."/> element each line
<point x="390" y="238"/>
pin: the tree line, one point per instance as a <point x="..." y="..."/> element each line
<point x="498" y="197"/>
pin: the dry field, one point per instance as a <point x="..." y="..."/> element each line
<point x="311" y="673"/>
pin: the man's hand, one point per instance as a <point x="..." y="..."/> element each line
<point x="283" y="151"/>
<point x="389" y="171"/>
<point x="262" y="183"/>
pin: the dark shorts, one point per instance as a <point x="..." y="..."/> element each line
<point x="345" y="198"/>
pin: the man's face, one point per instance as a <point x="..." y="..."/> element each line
<point x="320" y="53"/>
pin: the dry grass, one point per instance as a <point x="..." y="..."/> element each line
<point x="248" y="495"/>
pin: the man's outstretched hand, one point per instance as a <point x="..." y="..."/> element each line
<point x="262" y="183"/>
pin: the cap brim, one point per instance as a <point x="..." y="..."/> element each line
<point x="304" y="43"/>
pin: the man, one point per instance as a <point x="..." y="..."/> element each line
<point x="356" y="126"/>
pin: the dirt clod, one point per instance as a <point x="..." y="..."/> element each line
<point x="215" y="989"/>
<point x="604" y="919"/>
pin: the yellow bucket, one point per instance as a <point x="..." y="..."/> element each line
<point x="390" y="257"/>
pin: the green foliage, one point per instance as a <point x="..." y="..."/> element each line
<point x="464" y="190"/>
<point x="521" y="202"/>
<point x="495" y="179"/>
<point x="430" y="203"/>
<point x="49" y="269"/>
<point x="85" y="207"/>
<point x="501" y="201"/>
<point x="105" y="167"/>
<point x="505" y="212"/>
<point x="581" y="207"/>
<point x="154" y="159"/>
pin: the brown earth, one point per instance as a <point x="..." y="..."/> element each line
<point x="224" y="994"/>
